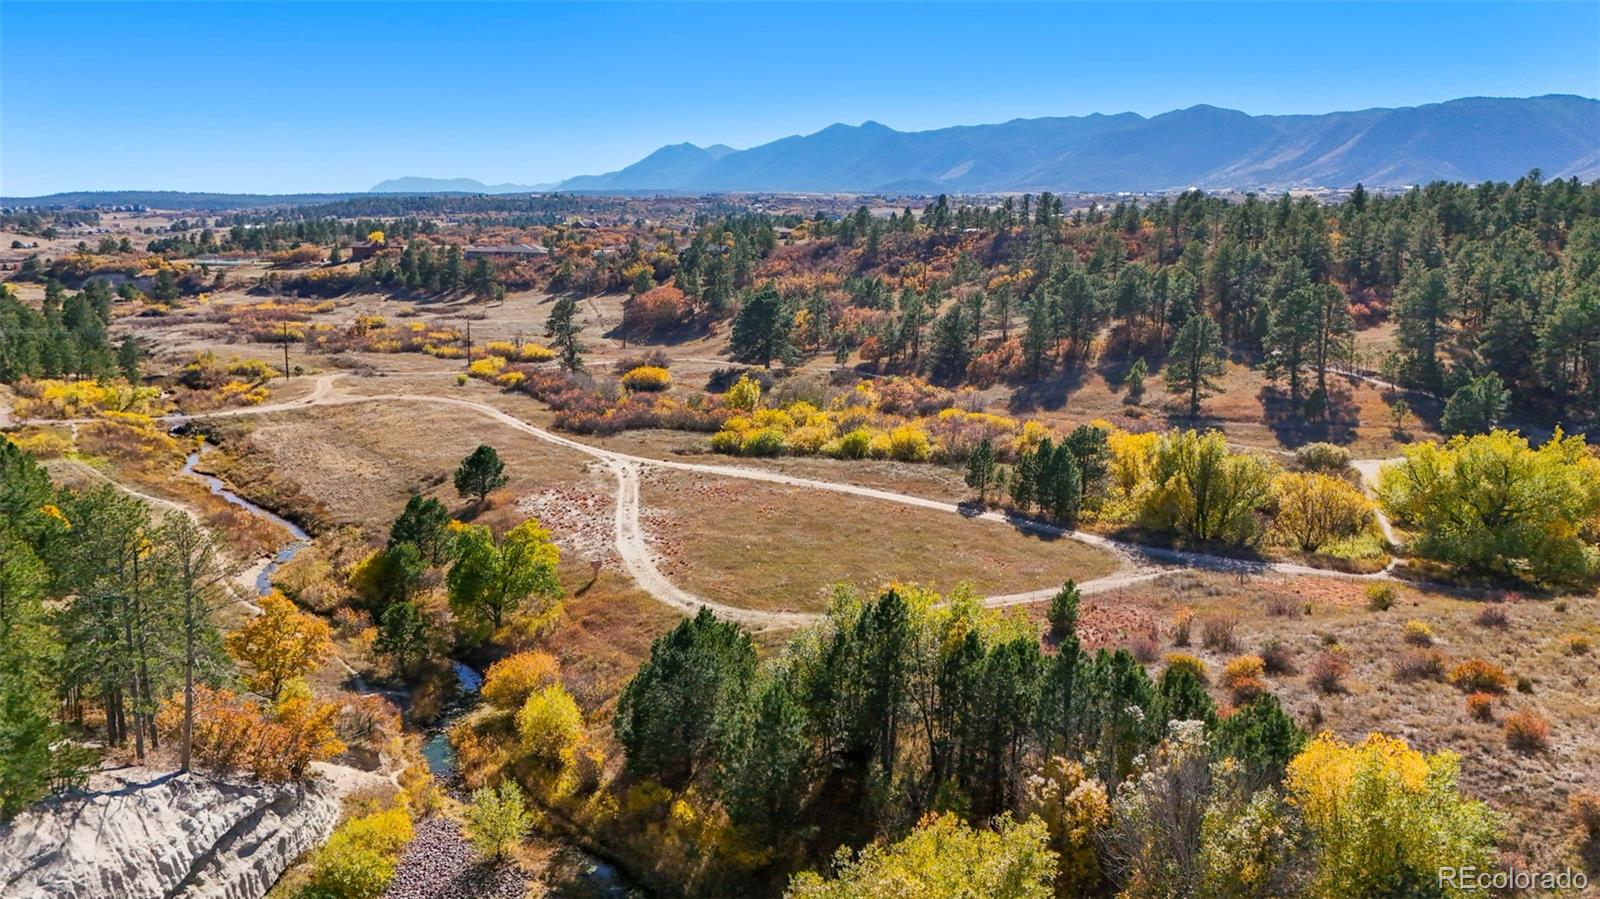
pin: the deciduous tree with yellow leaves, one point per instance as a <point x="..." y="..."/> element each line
<point x="1315" y="509"/>
<point x="1491" y="504"/>
<point x="280" y="644"/>
<point x="943" y="857"/>
<point x="1386" y="818"/>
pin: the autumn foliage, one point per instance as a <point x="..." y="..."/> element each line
<point x="657" y="308"/>
<point x="236" y="734"/>
<point x="280" y="644"/>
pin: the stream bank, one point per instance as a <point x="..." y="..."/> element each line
<point x="438" y="864"/>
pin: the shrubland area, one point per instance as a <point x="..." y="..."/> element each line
<point x="1021" y="546"/>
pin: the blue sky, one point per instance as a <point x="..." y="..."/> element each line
<point x="301" y="96"/>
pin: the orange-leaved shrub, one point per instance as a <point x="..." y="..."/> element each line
<point x="233" y="733"/>
<point x="1244" y="677"/>
<point x="1480" y="675"/>
<point x="1481" y="706"/>
<point x="1527" y="731"/>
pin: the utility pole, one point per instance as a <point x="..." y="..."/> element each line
<point x="285" y="351"/>
<point x="469" y="343"/>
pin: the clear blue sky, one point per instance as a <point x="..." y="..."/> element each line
<point x="287" y="97"/>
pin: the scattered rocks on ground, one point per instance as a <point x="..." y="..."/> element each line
<point x="439" y="864"/>
<point x="579" y="519"/>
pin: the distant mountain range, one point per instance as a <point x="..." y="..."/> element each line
<point x="415" y="185"/>
<point x="1473" y="139"/>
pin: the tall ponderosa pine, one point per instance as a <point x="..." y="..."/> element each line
<point x="1195" y="361"/>
<point x="1421" y="310"/>
<point x="681" y="704"/>
<point x="761" y="329"/>
<point x="28" y="730"/>
<point x="562" y="328"/>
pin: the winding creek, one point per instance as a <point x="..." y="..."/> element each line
<point x="300" y="539"/>
<point x="595" y="877"/>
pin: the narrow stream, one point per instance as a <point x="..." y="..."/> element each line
<point x="288" y="551"/>
<point x="595" y="877"/>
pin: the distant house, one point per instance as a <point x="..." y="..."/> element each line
<point x="783" y="233"/>
<point x="515" y="250"/>
<point x="364" y="250"/>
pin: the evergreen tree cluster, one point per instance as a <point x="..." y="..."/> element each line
<point x="894" y="707"/>
<point x="1495" y="277"/>
<point x="1057" y="478"/>
<point x="67" y="337"/>
<point x="104" y="613"/>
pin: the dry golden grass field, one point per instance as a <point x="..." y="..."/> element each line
<point x="770" y="546"/>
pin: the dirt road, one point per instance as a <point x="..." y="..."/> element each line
<point x="1140" y="563"/>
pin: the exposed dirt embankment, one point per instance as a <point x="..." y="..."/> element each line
<point x="139" y="833"/>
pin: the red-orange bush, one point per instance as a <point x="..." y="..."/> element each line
<point x="1420" y="664"/>
<point x="232" y="733"/>
<point x="1527" y="731"/>
<point x="658" y="307"/>
<point x="1003" y="363"/>
<point x="1243" y="676"/>
<point x="1481" y="706"/>
<point x="1585" y="808"/>
<point x="1328" y="671"/>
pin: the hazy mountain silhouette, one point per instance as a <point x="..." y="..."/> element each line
<point x="674" y="164"/>
<point x="1474" y="139"/>
<point x="412" y="184"/>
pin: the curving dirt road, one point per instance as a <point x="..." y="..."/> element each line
<point x="1140" y="562"/>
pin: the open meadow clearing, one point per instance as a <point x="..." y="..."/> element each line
<point x="778" y="547"/>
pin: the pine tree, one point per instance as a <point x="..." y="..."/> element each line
<point x="128" y="357"/>
<point x="952" y="346"/>
<point x="761" y="329"/>
<point x="1477" y="407"/>
<point x="1063" y="613"/>
<point x="1292" y="327"/>
<point x="405" y="635"/>
<point x="766" y="763"/>
<point x="675" y="712"/>
<point x="1195" y="360"/>
<point x="1421" y="307"/>
<point x="1134" y="380"/>
<point x="1181" y="696"/>
<point x="1261" y="737"/>
<point x="28" y="730"/>
<point x="423" y="524"/>
<point x="480" y="473"/>
<point x="192" y="571"/>
<point x="980" y="469"/>
<point x="1022" y="482"/>
<point x="563" y="328"/>
<point x="1091" y="452"/>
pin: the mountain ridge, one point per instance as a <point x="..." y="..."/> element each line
<point x="415" y="184"/>
<point x="1467" y="139"/>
